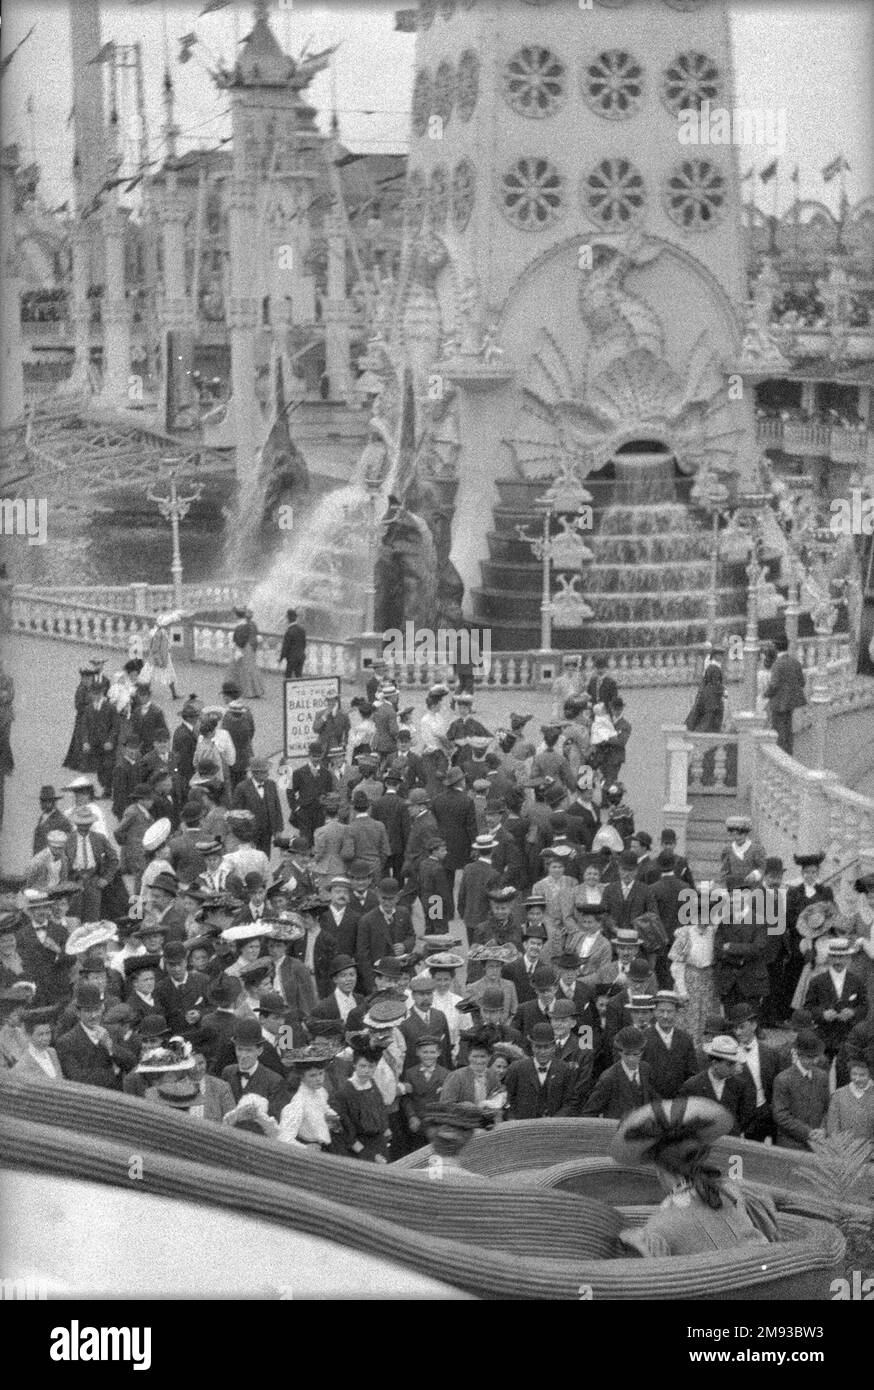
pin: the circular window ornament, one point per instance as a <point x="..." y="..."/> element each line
<point x="532" y="194"/>
<point x="467" y="84"/>
<point x="439" y="197"/>
<point x="534" y="82"/>
<point x="444" y="92"/>
<point x="414" y="201"/>
<point x="613" y="84"/>
<point x="463" y="194"/>
<point x="422" y="98"/>
<point x="695" y="195"/>
<point x="426" y="14"/>
<point x="689" y="80"/>
<point x="614" y="194"/>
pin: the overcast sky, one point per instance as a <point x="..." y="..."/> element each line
<point x="811" y="57"/>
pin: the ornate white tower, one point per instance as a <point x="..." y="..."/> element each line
<point x="271" y="288"/>
<point x="593" y="282"/>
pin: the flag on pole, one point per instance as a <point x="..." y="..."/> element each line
<point x="769" y="171"/>
<point x="104" y="54"/>
<point x="837" y="166"/>
<point x="212" y="5"/>
<point x="186" y="45"/>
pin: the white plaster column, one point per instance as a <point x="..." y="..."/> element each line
<point x="336" y="310"/>
<point x="243" y="319"/>
<point x="115" y="312"/>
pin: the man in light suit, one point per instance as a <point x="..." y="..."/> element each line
<point x="784" y="692"/>
<point x="94" y="867"/>
<point x="49" y="866"/>
<point x="39" y="1061"/>
<point x="539" y="1086"/>
<point x="257" y="793"/>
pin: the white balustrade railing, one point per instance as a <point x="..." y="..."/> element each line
<point x="842" y="443"/>
<point x="213" y="643"/>
<point x="71" y="622"/>
<point x="145" y="598"/>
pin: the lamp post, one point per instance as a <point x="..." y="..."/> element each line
<point x="373" y="477"/>
<point x="174" y="508"/>
<point x="749" y="512"/>
<point x="570" y="500"/>
<point x="712" y="495"/>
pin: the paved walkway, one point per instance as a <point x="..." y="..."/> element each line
<point x="46" y="673"/>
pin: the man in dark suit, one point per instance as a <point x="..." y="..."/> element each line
<point x="581" y="997"/>
<point x="784" y="693"/>
<point x="455" y="815"/>
<point x="257" y="793"/>
<point x="339" y="919"/>
<point x="249" y="1076"/>
<point x="520" y="973"/>
<point x="668" y="1051"/>
<point x="392" y="810"/>
<point x="625" y="1085"/>
<point x="665" y="892"/>
<point x="801" y="1095"/>
<point x="317" y="949"/>
<point x="50" y="818"/>
<point x="146" y="718"/>
<point x="294" y="646"/>
<point x="425" y="1021"/>
<point x="568" y="1049"/>
<point x="601" y="687"/>
<point x="760" y="1066"/>
<point x="216" y="1030"/>
<point x="719" y="1080"/>
<point x="629" y="898"/>
<point x="309" y="784"/>
<point x="182" y="995"/>
<point x="100" y="737"/>
<point x="837" y="999"/>
<point x="424" y="1080"/>
<point x="86" y="1051"/>
<point x="384" y="931"/>
<point x="668" y="845"/>
<point x="409" y="766"/>
<point x="343" y="1000"/>
<point x="739" y="957"/>
<point x="184" y="744"/>
<point x="539" y="1009"/>
<point x="539" y="1086"/>
<point x="126" y="775"/>
<point x="640" y="984"/>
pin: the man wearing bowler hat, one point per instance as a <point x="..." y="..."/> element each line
<point x="86" y="1052"/>
<point x="668" y="1050"/>
<point x="533" y="935"/>
<point x="384" y="930"/>
<point x="249" y="1077"/>
<point x="626" y="1085"/>
<point x="801" y="1095"/>
<point x="539" y="1086"/>
<point x="309" y="783"/>
<point x="50" y="818"/>
<point x="343" y="999"/>
<point x="182" y="996"/>
<point x="424" y="1019"/>
<point x="798" y="897"/>
<point x="257" y="792"/>
<point x="218" y="1024"/>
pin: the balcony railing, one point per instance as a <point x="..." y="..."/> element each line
<point x="840" y="443"/>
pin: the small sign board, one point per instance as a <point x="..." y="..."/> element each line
<point x="304" y="698"/>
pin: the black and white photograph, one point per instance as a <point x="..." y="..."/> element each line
<point x="437" y="667"/>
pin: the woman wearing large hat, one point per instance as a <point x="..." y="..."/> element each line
<point x="861" y="927"/>
<point x="702" y="1211"/>
<point x="308" y="1121"/>
<point x="817" y="925"/>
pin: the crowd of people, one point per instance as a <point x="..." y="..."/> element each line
<point x="427" y="919"/>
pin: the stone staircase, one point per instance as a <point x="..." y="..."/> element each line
<point x="706" y="835"/>
<point x="647" y="584"/>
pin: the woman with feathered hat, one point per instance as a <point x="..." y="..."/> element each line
<point x="702" y="1211"/>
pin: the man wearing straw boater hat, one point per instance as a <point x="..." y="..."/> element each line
<point x="837" y="998"/>
<point x="720" y="1080"/>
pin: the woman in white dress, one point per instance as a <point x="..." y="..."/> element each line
<point x="159" y="668"/>
<point x="307" y="1121"/>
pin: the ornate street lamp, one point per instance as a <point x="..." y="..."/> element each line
<point x="174" y="508"/>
